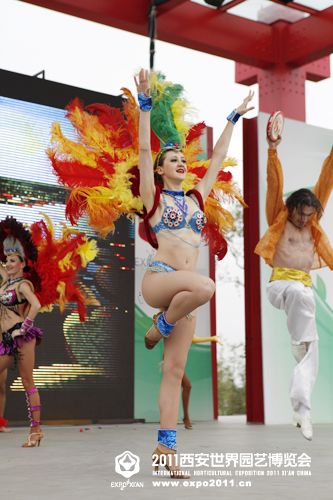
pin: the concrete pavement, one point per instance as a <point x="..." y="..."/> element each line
<point x="72" y="465"/>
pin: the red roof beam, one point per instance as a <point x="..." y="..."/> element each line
<point x="221" y="34"/>
<point x="126" y="15"/>
<point x="187" y="24"/>
<point x="310" y="39"/>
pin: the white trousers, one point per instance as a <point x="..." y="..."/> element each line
<point x="297" y="300"/>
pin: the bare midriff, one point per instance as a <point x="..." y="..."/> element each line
<point x="9" y="318"/>
<point x="295" y="248"/>
<point x="179" y="248"/>
<point x="176" y="253"/>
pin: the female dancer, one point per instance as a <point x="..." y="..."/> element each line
<point x="104" y="182"/>
<point x="19" y="304"/>
<point x="171" y="282"/>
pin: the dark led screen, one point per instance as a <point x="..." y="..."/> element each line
<point x="84" y="371"/>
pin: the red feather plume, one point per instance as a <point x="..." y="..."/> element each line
<point x="75" y="208"/>
<point x="224" y="176"/>
<point x="74" y="174"/>
<point x="195" y="132"/>
<point x="199" y="171"/>
<point x="216" y="241"/>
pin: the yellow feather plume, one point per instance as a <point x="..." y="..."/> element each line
<point x="218" y="215"/>
<point x="63" y="146"/>
<point x="87" y="251"/>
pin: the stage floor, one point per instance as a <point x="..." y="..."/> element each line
<point x="72" y="465"/>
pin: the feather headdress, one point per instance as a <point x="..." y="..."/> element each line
<point x="101" y="168"/>
<point x="52" y="262"/>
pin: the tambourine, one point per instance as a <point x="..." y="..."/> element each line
<point x="275" y="126"/>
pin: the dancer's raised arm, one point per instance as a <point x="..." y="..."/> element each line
<point x="146" y="167"/>
<point x="274" y="194"/>
<point x="221" y="148"/>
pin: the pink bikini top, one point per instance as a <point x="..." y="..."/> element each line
<point x="9" y="298"/>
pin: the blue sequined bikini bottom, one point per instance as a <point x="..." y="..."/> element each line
<point x="156" y="266"/>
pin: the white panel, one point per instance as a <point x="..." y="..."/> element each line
<point x="301" y="152"/>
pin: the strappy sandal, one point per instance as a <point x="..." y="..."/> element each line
<point x="34" y="439"/>
<point x="150" y="342"/>
<point x="168" y="460"/>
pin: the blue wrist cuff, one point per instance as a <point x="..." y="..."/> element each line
<point x="145" y="102"/>
<point x="233" y="117"/>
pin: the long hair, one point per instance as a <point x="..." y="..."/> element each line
<point x="304" y="197"/>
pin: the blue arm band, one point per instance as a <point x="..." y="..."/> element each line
<point x="145" y="102"/>
<point x="233" y="117"/>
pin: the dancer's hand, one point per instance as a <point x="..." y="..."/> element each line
<point x="242" y="109"/>
<point x="3" y="272"/>
<point x="273" y="144"/>
<point x="26" y="326"/>
<point x="142" y="81"/>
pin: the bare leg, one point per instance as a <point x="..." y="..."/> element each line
<point x="186" y="386"/>
<point x="5" y="361"/>
<point x="3" y="378"/>
<point x="176" y="348"/>
<point x="26" y="364"/>
<point x="181" y="292"/>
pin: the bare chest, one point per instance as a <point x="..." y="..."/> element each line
<point x="297" y="239"/>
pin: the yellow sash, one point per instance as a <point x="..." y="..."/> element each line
<point x="285" y="273"/>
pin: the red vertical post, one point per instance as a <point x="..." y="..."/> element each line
<point x="253" y="346"/>
<point x="212" y="304"/>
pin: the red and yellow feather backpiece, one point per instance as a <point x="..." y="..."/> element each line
<point x="101" y="167"/>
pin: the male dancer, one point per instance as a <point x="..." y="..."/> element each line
<point x="294" y="244"/>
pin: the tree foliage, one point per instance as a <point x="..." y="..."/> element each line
<point x="231" y="380"/>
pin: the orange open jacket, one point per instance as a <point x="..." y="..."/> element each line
<point x="277" y="213"/>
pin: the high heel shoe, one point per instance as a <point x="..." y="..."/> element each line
<point x="168" y="458"/>
<point x="34" y="439"/>
<point x="187" y="423"/>
<point x="150" y="342"/>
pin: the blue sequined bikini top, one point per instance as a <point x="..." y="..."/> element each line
<point x="174" y="217"/>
